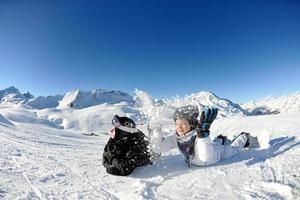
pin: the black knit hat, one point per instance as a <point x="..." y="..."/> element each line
<point x="124" y="123"/>
<point x="189" y="113"/>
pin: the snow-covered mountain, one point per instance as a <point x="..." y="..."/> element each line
<point x="28" y="95"/>
<point x="73" y="99"/>
<point x="225" y="106"/>
<point x="42" y="102"/>
<point x="11" y="94"/>
<point x="84" y="99"/>
<point x="274" y="105"/>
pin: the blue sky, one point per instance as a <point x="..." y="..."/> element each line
<point x="240" y="50"/>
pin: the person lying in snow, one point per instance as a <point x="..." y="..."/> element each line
<point x="193" y="138"/>
<point x="126" y="149"/>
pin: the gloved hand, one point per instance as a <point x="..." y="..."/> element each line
<point x="206" y="118"/>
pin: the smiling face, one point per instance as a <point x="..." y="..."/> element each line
<point x="182" y="126"/>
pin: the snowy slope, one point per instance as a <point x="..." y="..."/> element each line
<point x="23" y="114"/>
<point x="94" y="119"/>
<point x="272" y="105"/>
<point x="42" y="162"/>
<point x="42" y="102"/>
<point x="5" y="121"/>
<point x="44" y="154"/>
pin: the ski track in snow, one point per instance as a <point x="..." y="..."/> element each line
<point x="36" y="164"/>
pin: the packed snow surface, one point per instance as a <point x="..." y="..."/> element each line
<point x="45" y="155"/>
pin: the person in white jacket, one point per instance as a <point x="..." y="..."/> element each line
<point x="193" y="138"/>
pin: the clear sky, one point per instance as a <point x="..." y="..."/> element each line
<point x="240" y="50"/>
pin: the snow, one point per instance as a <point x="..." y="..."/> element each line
<point x="42" y="102"/>
<point x="3" y="120"/>
<point x="44" y="155"/>
<point x="201" y="99"/>
<point x="283" y="104"/>
<point x="84" y="99"/>
<point x="11" y="94"/>
<point x="77" y="99"/>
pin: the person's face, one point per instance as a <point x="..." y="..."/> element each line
<point x="182" y="126"/>
<point x="113" y="132"/>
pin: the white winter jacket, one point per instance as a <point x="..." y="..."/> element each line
<point x="205" y="152"/>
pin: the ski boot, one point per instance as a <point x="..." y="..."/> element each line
<point x="252" y="142"/>
<point x="225" y="140"/>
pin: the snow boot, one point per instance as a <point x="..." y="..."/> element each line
<point x="252" y="142"/>
<point x="225" y="140"/>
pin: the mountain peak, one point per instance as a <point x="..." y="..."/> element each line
<point x="206" y="98"/>
<point x="10" y="89"/>
<point x="11" y="94"/>
<point x="28" y="95"/>
<point x="83" y="99"/>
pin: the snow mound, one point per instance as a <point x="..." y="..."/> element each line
<point x="263" y="138"/>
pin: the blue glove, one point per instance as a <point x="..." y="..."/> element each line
<point x="206" y="118"/>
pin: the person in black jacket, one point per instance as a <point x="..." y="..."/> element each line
<point x="126" y="149"/>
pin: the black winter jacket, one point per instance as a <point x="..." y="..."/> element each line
<point x="125" y="152"/>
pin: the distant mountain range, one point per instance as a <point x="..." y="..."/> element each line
<point x="274" y="105"/>
<point x="78" y="99"/>
<point x="12" y="94"/>
<point x="204" y="98"/>
<point x="73" y="99"/>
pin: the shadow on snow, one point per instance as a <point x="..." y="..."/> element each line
<point x="253" y="156"/>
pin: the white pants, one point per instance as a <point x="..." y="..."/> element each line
<point x="209" y="152"/>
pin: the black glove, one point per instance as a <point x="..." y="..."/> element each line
<point x="206" y="119"/>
